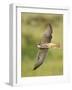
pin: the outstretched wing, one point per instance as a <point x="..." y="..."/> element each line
<point x="47" y="36"/>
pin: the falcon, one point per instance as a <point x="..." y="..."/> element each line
<point x="44" y="45"/>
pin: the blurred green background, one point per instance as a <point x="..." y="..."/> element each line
<point x="32" y="28"/>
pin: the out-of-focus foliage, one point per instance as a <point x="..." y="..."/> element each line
<point x="32" y="28"/>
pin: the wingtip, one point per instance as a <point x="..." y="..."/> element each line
<point x="34" y="68"/>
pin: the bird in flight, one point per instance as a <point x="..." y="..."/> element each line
<point x="44" y="45"/>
